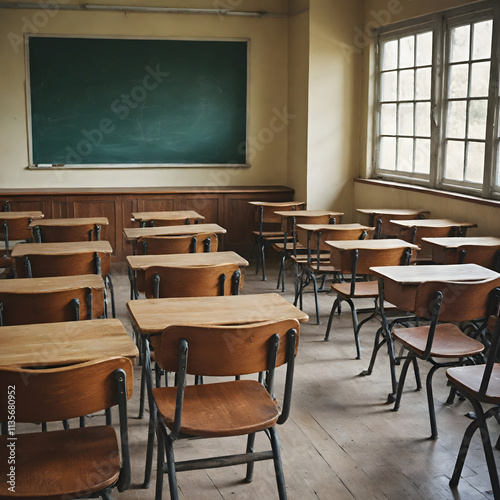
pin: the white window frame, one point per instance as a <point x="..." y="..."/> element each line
<point x="439" y="23"/>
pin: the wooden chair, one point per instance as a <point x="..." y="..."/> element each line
<point x="316" y="263"/>
<point x="443" y="302"/>
<point x="385" y="229"/>
<point x="168" y="222"/>
<point x="191" y="243"/>
<point x="13" y="230"/>
<point x="268" y="232"/>
<point x="203" y="281"/>
<point x="50" y="306"/>
<point x="233" y="408"/>
<point x="480" y="384"/>
<point x="53" y="234"/>
<point x="42" y="266"/>
<point x="287" y="248"/>
<point x="67" y="463"/>
<point x="357" y="263"/>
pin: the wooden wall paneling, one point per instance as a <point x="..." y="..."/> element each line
<point x="129" y="204"/>
<point x="102" y="206"/>
<point x="155" y="202"/>
<point x="25" y="204"/>
<point x="60" y="207"/>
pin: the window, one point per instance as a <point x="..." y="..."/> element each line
<point x="436" y="101"/>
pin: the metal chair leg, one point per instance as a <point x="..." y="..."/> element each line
<point x="278" y="469"/>
<point x="250" y="465"/>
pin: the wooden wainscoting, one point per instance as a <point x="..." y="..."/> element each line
<point x="226" y="206"/>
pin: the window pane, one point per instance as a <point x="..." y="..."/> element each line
<point x="407" y="51"/>
<point x="477" y="119"/>
<point x="388" y="119"/>
<point x="423" y="156"/>
<point x="406" y="85"/>
<point x="456" y="119"/>
<point x="458" y="81"/>
<point x="454" y="168"/>
<point x="475" y="162"/>
<point x="424" y="49"/>
<point x="405" y="119"/>
<point x="423" y="84"/>
<point x="390" y="55"/>
<point x="387" y="159"/>
<point x="481" y="41"/>
<point x="405" y="155"/>
<point x="423" y="119"/>
<point x="480" y="79"/>
<point x="459" y="43"/>
<point x="498" y="165"/>
<point x="389" y="86"/>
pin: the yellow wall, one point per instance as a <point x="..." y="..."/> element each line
<point x="267" y="91"/>
<point x="369" y="195"/>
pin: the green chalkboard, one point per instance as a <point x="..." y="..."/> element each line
<point x="129" y="101"/>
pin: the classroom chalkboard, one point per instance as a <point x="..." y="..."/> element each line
<point x="100" y="101"/>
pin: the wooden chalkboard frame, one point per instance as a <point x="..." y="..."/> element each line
<point x="105" y="165"/>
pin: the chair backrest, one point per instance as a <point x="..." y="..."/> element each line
<point x="227" y="350"/>
<point x="49" y="395"/>
<point x="384" y="227"/>
<point x="15" y="229"/>
<point x="360" y="261"/>
<point x="49" y="307"/>
<point x="200" y="281"/>
<point x="415" y="234"/>
<point x="289" y="223"/>
<point x="41" y="266"/>
<point x="191" y="243"/>
<point x="315" y="240"/>
<point x="486" y="256"/>
<point x="455" y="301"/>
<point x="54" y="234"/>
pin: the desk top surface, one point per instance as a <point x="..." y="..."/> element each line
<point x="51" y="284"/>
<point x="152" y="316"/>
<point x="458" y="241"/>
<point x="388" y="244"/>
<point x="169" y="215"/>
<point x="71" y="221"/>
<point x="333" y="227"/>
<point x="139" y="262"/>
<point x="308" y="213"/>
<point x="132" y="233"/>
<point x="279" y="204"/>
<point x="66" y="248"/>
<point x="432" y="223"/>
<point x="52" y="344"/>
<point x="392" y="211"/>
<point x="33" y="214"/>
<point x="413" y="275"/>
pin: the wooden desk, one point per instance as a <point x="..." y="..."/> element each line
<point x="328" y="228"/>
<point x="371" y="216"/>
<point x="186" y="216"/>
<point x="32" y="214"/>
<point x="71" y="221"/>
<point x="301" y="216"/>
<point x="64" y="248"/>
<point x="435" y="223"/>
<point x="152" y="316"/>
<point x="37" y="285"/>
<point x="133" y="233"/>
<point x="444" y="249"/>
<point x="55" y="344"/>
<point x="398" y="285"/>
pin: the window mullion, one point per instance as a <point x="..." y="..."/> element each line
<point x="490" y="155"/>
<point x="437" y="102"/>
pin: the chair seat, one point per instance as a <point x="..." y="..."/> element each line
<point x="468" y="379"/>
<point x="270" y="234"/>
<point x="449" y="341"/>
<point x="364" y="289"/>
<point x="215" y="410"/>
<point x="64" y="463"/>
<point x="280" y="247"/>
<point x="302" y="259"/>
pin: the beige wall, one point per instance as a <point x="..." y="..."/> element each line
<point x="369" y="195"/>
<point x="334" y="89"/>
<point x="267" y="92"/>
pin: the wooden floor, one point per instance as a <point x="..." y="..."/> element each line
<point x="342" y="441"/>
